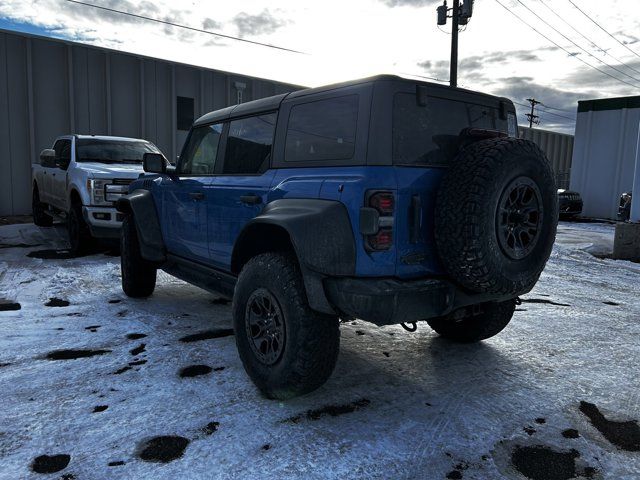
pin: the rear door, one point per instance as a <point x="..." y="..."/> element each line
<point x="241" y="188"/>
<point x="186" y="194"/>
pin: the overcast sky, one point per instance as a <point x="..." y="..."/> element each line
<point x="346" y="39"/>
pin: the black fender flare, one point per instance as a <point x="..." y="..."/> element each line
<point x="141" y="206"/>
<point x="321" y="234"/>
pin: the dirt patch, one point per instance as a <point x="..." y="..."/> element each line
<point x="221" y="301"/>
<point x="6" y="306"/>
<point x="544" y="301"/>
<point x="529" y="430"/>
<point x="219" y="369"/>
<point x="117" y="463"/>
<point x="163" y="449"/>
<point x="210" y="428"/>
<point x="613" y="304"/>
<point x="50" y="463"/>
<point x="135" y="336"/>
<point x="331" y="410"/>
<point x="542" y="463"/>
<point x="115" y="300"/>
<point x="625" y="435"/>
<point x="100" y="408"/>
<point x="137" y="362"/>
<point x="73" y="354"/>
<point x="454" y="475"/>
<point x="540" y="421"/>
<point x="138" y="350"/>
<point x="359" y="332"/>
<point x="570" y="433"/>
<point x="122" y="370"/>
<point x="266" y="447"/>
<point x="122" y="313"/>
<point x="207" y="335"/>
<point x="19" y="245"/>
<point x="56" y="302"/>
<point x="195" y="371"/>
<point x="386" y="354"/>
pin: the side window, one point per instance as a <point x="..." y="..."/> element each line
<point x="249" y="144"/>
<point x="63" y="153"/>
<point x="322" y="130"/>
<point x="201" y="150"/>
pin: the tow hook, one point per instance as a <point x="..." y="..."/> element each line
<point x="410" y="326"/>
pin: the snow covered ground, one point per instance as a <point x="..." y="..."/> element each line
<point x="399" y="405"/>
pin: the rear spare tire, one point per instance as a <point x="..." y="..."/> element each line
<point x="496" y="216"/>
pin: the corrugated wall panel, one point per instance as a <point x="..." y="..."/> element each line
<point x="558" y="148"/>
<point x="125" y="95"/>
<point x="19" y="123"/>
<point x="6" y="197"/>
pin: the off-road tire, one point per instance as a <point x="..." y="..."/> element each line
<point x="467" y="216"/>
<point x="312" y="339"/>
<point x="138" y="274"/>
<point x="40" y="218"/>
<point x="80" y="239"/>
<point x="467" y="326"/>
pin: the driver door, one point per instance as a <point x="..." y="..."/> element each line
<point x="58" y="175"/>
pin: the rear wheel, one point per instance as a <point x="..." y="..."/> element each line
<point x="40" y="218"/>
<point x="80" y="238"/>
<point x="475" y="323"/>
<point x="138" y="274"/>
<point x="287" y="348"/>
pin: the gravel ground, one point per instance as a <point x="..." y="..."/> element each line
<point x="95" y="385"/>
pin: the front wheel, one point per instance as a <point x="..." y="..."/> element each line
<point x="287" y="348"/>
<point x="475" y="323"/>
<point x="80" y="238"/>
<point x="138" y="274"/>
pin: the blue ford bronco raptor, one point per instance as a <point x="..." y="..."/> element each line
<point x="383" y="199"/>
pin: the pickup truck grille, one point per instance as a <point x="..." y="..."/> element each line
<point x="122" y="181"/>
<point x="118" y="188"/>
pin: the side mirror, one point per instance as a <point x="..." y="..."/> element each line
<point x="48" y="158"/>
<point x="154" y="163"/>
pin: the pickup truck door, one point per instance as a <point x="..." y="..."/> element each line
<point x="185" y="194"/>
<point x="58" y="175"/>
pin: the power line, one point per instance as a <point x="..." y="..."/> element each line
<point x="567" y="38"/>
<point x="561" y="47"/>
<point x="199" y="30"/>
<point x="603" y="29"/>
<point x="547" y="112"/>
<point x="543" y="2"/>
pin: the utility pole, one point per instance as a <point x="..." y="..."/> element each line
<point x="533" y="118"/>
<point x="460" y="15"/>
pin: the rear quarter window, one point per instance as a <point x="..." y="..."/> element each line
<point x="322" y="130"/>
<point x="430" y="135"/>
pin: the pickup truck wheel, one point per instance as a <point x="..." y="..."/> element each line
<point x="40" y="218"/>
<point x="79" y="235"/>
<point x="287" y="348"/>
<point x="475" y="323"/>
<point x="138" y="275"/>
<point x="496" y="216"/>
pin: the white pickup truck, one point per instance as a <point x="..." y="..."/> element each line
<point x="80" y="178"/>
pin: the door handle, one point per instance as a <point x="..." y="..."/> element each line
<point x="250" y="199"/>
<point x="197" y="195"/>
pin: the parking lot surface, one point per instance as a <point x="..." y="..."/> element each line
<point x="111" y="387"/>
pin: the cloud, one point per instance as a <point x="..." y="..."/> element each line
<point x="211" y="24"/>
<point x="260" y="24"/>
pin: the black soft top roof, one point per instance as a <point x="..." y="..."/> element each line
<point x="273" y="103"/>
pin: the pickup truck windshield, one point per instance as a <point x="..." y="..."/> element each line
<point x="112" y="151"/>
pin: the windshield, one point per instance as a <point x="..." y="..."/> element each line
<point x="112" y="151"/>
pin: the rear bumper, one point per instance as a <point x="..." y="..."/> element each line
<point x="388" y="301"/>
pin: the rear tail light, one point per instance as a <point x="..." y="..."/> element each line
<point x="383" y="202"/>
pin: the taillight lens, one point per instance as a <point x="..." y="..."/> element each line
<point x="384" y="203"/>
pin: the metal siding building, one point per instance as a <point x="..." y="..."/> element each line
<point x="558" y="147"/>
<point x="607" y="143"/>
<point x="51" y="87"/>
